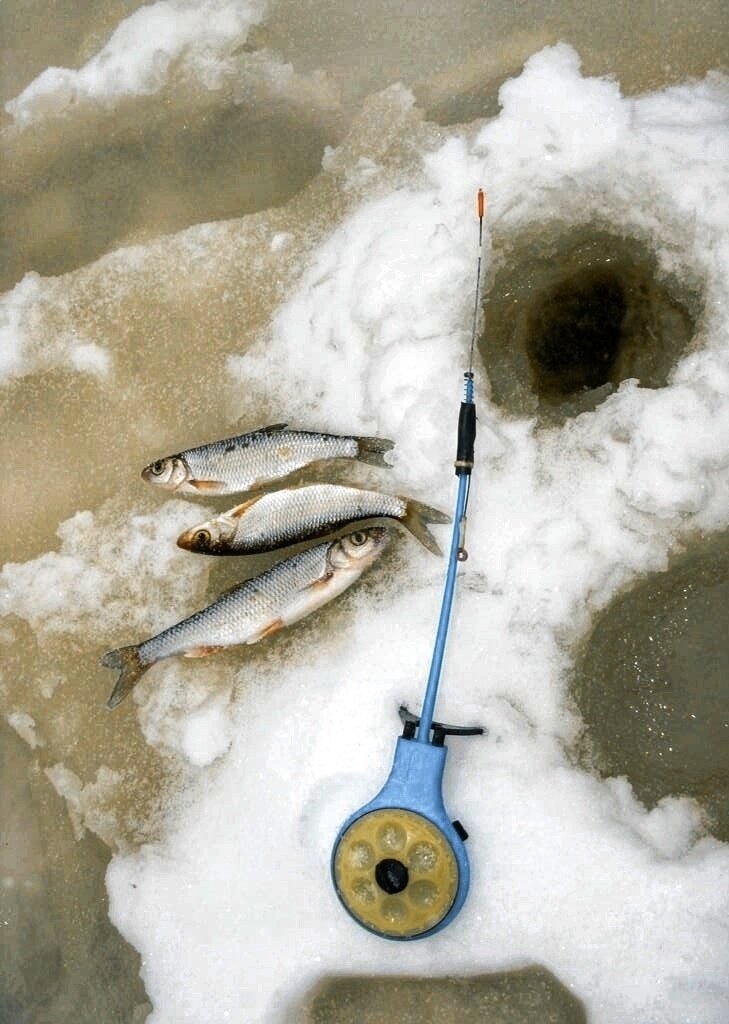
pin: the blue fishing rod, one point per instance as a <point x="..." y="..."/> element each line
<point x="399" y="864"/>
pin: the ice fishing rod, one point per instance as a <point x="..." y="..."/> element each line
<point x="399" y="864"/>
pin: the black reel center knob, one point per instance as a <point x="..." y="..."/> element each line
<point x="391" y="875"/>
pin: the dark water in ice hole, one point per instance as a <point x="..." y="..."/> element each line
<point x="68" y="195"/>
<point x="569" y="313"/>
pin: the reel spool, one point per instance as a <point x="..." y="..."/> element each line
<point x="399" y="864"/>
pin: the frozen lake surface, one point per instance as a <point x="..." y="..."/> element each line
<point x="224" y="215"/>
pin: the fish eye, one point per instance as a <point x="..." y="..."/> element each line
<point x="359" y="538"/>
<point x="202" y="537"/>
<point x="158" y="467"/>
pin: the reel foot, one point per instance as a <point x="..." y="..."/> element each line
<point x="440" y="731"/>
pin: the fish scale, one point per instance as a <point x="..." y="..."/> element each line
<point x="248" y="461"/>
<point x="257" y="457"/>
<point x="303" y="511"/>
<point x="288" y="516"/>
<point x="255" y="608"/>
<point x="242" y="611"/>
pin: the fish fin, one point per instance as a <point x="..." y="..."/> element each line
<point x="202" y="651"/>
<point x="273" y="429"/>
<point x="130" y="667"/>
<point x="206" y="485"/>
<point x="243" y="422"/>
<point x="239" y="510"/>
<point x="372" y="450"/>
<point x="417" y="515"/>
<point x="321" y="582"/>
<point x="269" y="630"/>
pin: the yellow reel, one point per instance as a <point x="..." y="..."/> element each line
<point x="396" y="872"/>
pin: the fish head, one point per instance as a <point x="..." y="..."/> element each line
<point x="169" y="473"/>
<point x="214" y="536"/>
<point x="355" y="551"/>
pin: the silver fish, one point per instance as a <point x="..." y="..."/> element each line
<point x="274" y="520"/>
<point x="256" y="608"/>
<point x="247" y="461"/>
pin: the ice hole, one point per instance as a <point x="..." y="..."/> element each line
<point x="652" y="684"/>
<point x="568" y="315"/>
<point x="531" y="995"/>
<point x="574" y="333"/>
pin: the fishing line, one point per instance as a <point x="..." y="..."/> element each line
<point x="481" y="207"/>
<point x="399" y="864"/>
<point x="462" y="554"/>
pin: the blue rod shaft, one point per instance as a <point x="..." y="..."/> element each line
<point x="464" y="462"/>
<point x="431" y="690"/>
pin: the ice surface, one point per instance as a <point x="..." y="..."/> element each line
<point x="24" y="725"/>
<point x="179" y="50"/>
<point x="106" y="563"/>
<point x="143" y="50"/>
<point x="82" y="800"/>
<point x="207" y="732"/>
<point x="232" y="907"/>
<point x="21" y="311"/>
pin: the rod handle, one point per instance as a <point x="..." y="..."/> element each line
<point x="466" y="438"/>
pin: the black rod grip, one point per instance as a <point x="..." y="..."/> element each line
<point x="466" y="438"/>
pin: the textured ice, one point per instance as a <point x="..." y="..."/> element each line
<point x="27" y="347"/>
<point x="24" y="725"/>
<point x="144" y="49"/>
<point x="127" y="571"/>
<point x="207" y="732"/>
<point x="169" y="47"/>
<point x="232" y="908"/>
<point x="86" y="804"/>
<point x="553" y="121"/>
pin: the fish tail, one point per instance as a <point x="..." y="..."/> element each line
<point x="416" y="517"/>
<point x="127" y="661"/>
<point x="372" y="450"/>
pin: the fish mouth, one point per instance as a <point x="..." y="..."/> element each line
<point x="184" y="541"/>
<point x="202" y="541"/>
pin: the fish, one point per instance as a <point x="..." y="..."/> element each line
<point x="256" y="608"/>
<point x="248" y="461"/>
<point x="279" y="518"/>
